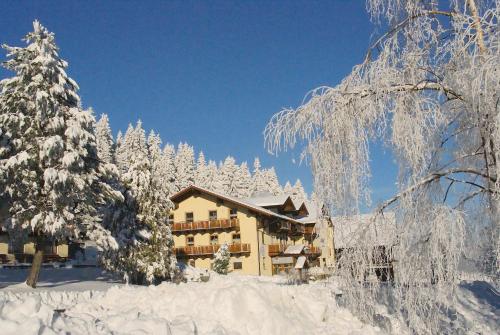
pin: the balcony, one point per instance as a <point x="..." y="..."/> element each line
<point x="284" y="226"/>
<point x="315" y="251"/>
<point x="180" y="227"/>
<point x="309" y="230"/>
<point x="209" y="250"/>
<point x="297" y="230"/>
<point x="277" y="249"/>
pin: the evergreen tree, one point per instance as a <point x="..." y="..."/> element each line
<point x="271" y="181"/>
<point x="184" y="166"/>
<point x="212" y="180"/>
<point x="226" y="176"/>
<point x="201" y="171"/>
<point x="121" y="153"/>
<point x="150" y="258"/>
<point x="221" y="261"/>
<point x="288" y="189"/>
<point x="259" y="178"/>
<point x="168" y="169"/>
<point x="298" y="192"/>
<point x="48" y="159"/>
<point x="104" y="140"/>
<point x="243" y="181"/>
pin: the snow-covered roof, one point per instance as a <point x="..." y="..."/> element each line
<point x="301" y="261"/>
<point x="294" y="249"/>
<point x="267" y="199"/>
<point x="379" y="232"/>
<point x="179" y="195"/>
<point x="312" y="217"/>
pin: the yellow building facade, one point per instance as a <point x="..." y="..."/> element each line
<point x="12" y="251"/>
<point x="257" y="237"/>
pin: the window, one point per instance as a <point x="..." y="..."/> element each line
<point x="236" y="238"/>
<point x="170" y="219"/>
<point x="189" y="217"/>
<point x="190" y="241"/>
<point x="192" y="262"/>
<point x="237" y="265"/>
<point x="212" y="215"/>
<point x="16" y="246"/>
<point x="49" y="248"/>
<point x="233" y="213"/>
<point x="214" y="239"/>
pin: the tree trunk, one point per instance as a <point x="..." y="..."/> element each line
<point x="36" y="264"/>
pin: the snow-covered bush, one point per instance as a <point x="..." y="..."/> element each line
<point x="221" y="261"/>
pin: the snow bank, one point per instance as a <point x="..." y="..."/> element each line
<point x="224" y="305"/>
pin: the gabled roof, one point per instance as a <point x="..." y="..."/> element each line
<point x="312" y="216"/>
<point x="268" y="199"/>
<point x="282" y="200"/>
<point x="185" y="193"/>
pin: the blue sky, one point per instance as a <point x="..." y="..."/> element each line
<point x="211" y="73"/>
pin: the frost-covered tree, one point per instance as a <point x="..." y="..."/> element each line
<point x="298" y="193"/>
<point x="184" y="166"/>
<point x="48" y="161"/>
<point x="242" y="181"/>
<point x="149" y="258"/>
<point x="122" y="145"/>
<point x="104" y="140"/>
<point x="428" y="88"/>
<point x="200" y="178"/>
<point x="258" y="178"/>
<point x="288" y="189"/>
<point x="212" y="180"/>
<point x="168" y="169"/>
<point x="221" y="260"/>
<point x="272" y="184"/>
<point x="226" y="176"/>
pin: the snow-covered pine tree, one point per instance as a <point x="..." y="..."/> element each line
<point x="150" y="258"/>
<point x="104" y="140"/>
<point x="227" y="173"/>
<point x="221" y="260"/>
<point x="201" y="171"/>
<point x="288" y="189"/>
<point x="243" y="181"/>
<point x="49" y="157"/>
<point x="121" y="153"/>
<point x="298" y="192"/>
<point x="212" y="180"/>
<point x="184" y="166"/>
<point x="258" y="178"/>
<point x="168" y="169"/>
<point x="272" y="184"/>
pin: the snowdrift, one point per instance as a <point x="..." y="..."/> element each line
<point x="224" y="305"/>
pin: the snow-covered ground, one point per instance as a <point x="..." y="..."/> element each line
<point x="223" y="305"/>
<point x="86" y="301"/>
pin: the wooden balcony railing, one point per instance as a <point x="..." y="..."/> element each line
<point x="276" y="249"/>
<point x="209" y="250"/>
<point x="297" y="229"/>
<point x="314" y="250"/>
<point x="205" y="225"/>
